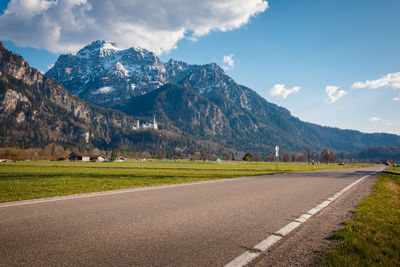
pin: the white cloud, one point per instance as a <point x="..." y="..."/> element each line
<point x="280" y="90"/>
<point x="391" y="80"/>
<point x="374" y="119"/>
<point x="67" y="25"/>
<point x="228" y="62"/>
<point x="389" y="124"/>
<point x="334" y="94"/>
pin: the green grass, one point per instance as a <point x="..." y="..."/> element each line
<point x="395" y="169"/>
<point x="372" y="236"/>
<point x="30" y="180"/>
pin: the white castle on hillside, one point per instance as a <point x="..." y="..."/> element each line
<point x="146" y="125"/>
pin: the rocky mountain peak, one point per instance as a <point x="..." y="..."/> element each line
<point x="176" y="70"/>
<point x="214" y="67"/>
<point x="99" y="47"/>
<point x="95" y="45"/>
<point x="102" y="72"/>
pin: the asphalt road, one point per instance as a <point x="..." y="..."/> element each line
<point x="201" y="224"/>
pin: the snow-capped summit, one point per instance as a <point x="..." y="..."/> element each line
<point x="104" y="48"/>
<point x="100" y="44"/>
<point x="102" y="72"/>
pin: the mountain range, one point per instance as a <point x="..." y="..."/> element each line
<point x="199" y="100"/>
<point x="95" y="97"/>
<point x="35" y="111"/>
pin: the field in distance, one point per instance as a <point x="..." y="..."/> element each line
<point x="38" y="179"/>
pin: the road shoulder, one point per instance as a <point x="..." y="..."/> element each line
<point x="300" y="248"/>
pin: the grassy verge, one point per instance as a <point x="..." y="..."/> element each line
<point x="29" y="180"/>
<point x="395" y="169"/>
<point x="372" y="236"/>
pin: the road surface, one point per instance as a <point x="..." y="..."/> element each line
<point x="201" y="224"/>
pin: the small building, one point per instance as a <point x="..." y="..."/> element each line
<point x="78" y="157"/>
<point x="119" y="159"/>
<point x="100" y="158"/>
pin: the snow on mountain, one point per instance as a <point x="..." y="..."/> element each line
<point x="132" y="72"/>
<point x="104" y="90"/>
<point x="101" y="64"/>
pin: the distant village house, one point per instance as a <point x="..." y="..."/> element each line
<point x="119" y="159"/>
<point x="100" y="158"/>
<point x="78" y="157"/>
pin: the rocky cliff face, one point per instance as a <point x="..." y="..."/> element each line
<point x="36" y="109"/>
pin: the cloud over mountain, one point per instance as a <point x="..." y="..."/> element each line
<point x="281" y="90"/>
<point x="374" y="119"/>
<point x="229" y="63"/>
<point x="66" y="25"/>
<point x="390" y="80"/>
<point x="334" y="94"/>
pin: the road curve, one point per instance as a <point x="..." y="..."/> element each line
<point x="201" y="224"/>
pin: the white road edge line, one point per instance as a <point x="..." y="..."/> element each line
<point x="268" y="242"/>
<point x="247" y="256"/>
<point x="243" y="259"/>
<point x="303" y="218"/>
<point x="287" y="228"/>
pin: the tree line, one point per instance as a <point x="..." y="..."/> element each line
<point x="309" y="155"/>
<point x="57" y="151"/>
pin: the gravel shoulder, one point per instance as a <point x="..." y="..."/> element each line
<point x="301" y="247"/>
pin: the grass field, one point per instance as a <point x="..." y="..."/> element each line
<point x="372" y="236"/>
<point x="395" y="169"/>
<point x="30" y="180"/>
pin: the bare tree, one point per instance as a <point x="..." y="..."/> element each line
<point x="9" y="153"/>
<point x="197" y="155"/>
<point x="248" y="157"/>
<point x="203" y="154"/>
<point x="226" y="155"/>
<point x="299" y="157"/>
<point x="144" y="154"/>
<point x="285" y="157"/>
<point x="160" y="155"/>
<point x="271" y="157"/>
<point x="327" y="156"/>
<point x="309" y="153"/>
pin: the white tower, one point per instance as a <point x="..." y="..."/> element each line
<point x="155" y="125"/>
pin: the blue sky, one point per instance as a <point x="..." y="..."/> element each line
<point x="307" y="45"/>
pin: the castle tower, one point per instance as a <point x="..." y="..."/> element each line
<point x="155" y="125"/>
<point x="136" y="126"/>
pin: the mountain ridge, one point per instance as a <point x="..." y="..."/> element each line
<point x="212" y="106"/>
<point x="36" y="111"/>
<point x="204" y="102"/>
